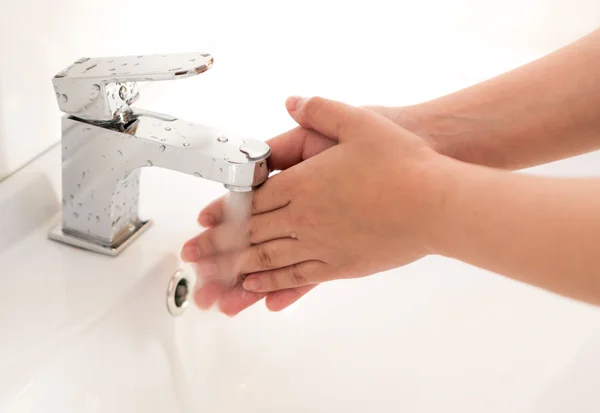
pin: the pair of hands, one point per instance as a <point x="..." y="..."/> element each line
<point x="352" y="199"/>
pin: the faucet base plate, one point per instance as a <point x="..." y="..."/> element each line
<point x="57" y="234"/>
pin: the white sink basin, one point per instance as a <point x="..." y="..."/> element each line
<point x="83" y="332"/>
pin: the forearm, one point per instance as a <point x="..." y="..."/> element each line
<point x="544" y="111"/>
<point x="542" y="231"/>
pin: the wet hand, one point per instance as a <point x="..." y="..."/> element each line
<point x="354" y="210"/>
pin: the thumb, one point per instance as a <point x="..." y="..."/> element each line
<point x="332" y="119"/>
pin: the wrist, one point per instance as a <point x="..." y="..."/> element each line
<point x="441" y="187"/>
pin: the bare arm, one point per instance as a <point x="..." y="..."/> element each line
<point x="543" y="111"/>
<point x="542" y="231"/>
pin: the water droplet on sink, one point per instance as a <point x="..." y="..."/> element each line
<point x="96" y="87"/>
<point x="198" y="174"/>
<point x="64" y="98"/>
<point x="149" y="163"/>
<point x="162" y="148"/>
<point x="76" y="215"/>
<point x="167" y="128"/>
<point x="192" y="60"/>
<point x="120" y="153"/>
<point x="186" y="144"/>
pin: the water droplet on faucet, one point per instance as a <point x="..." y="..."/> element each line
<point x="162" y="148"/>
<point x="97" y="218"/>
<point x="76" y="215"/>
<point x="123" y="93"/>
<point x="57" y="94"/>
<point x="64" y="98"/>
<point x="198" y="174"/>
<point x="186" y="144"/>
<point x="120" y="153"/>
<point x="149" y="163"/>
<point x="167" y="128"/>
<point x="96" y="87"/>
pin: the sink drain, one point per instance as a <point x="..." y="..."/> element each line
<point x="178" y="292"/>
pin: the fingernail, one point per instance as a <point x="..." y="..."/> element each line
<point x="206" y="220"/>
<point x="293" y="103"/>
<point x="252" y="284"/>
<point x="190" y="253"/>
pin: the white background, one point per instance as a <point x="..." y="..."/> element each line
<point x="371" y="52"/>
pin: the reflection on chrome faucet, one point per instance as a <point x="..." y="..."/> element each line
<point x="105" y="142"/>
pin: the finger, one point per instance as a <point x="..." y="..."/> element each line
<point x="207" y="294"/>
<point x="296" y="145"/>
<point x="228" y="237"/>
<point x="333" y="119"/>
<point x="274" y="254"/>
<point x="296" y="275"/>
<point x="234" y="206"/>
<point x="225" y="268"/>
<point x="279" y="300"/>
<point x="271" y="226"/>
<point x="213" y="214"/>
<point x="237" y="299"/>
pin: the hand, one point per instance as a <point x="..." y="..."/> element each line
<point x="222" y="285"/>
<point x="306" y="201"/>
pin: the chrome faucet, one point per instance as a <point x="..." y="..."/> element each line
<point x="105" y="143"/>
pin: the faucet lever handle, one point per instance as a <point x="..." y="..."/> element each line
<point x="98" y="89"/>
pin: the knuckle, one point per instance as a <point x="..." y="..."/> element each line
<point x="254" y="202"/>
<point x="296" y="275"/>
<point x="313" y="106"/>
<point x="273" y="280"/>
<point x="265" y="257"/>
<point x="305" y="221"/>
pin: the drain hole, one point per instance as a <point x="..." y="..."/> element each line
<point x="181" y="293"/>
